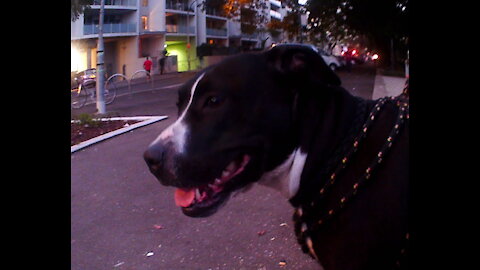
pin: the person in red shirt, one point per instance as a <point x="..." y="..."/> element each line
<point x="147" y="65"/>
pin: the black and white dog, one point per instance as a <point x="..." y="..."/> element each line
<point x="281" y="118"/>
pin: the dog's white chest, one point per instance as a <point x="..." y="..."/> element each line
<point x="286" y="177"/>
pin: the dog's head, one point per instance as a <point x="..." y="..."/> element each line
<point x="236" y="122"/>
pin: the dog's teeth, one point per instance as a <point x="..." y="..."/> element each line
<point x="225" y="173"/>
<point x="197" y="194"/>
<point x="218" y="181"/>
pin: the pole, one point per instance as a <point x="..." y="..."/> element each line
<point x="100" y="63"/>
<point x="392" y="55"/>
<point x="188" y="38"/>
<point x="300" y="27"/>
<point x="188" y="30"/>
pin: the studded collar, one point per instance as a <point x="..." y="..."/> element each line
<point x="301" y="230"/>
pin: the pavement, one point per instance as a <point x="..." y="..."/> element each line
<point x="122" y="218"/>
<point x="387" y="86"/>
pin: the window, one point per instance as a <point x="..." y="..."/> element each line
<point x="145" y="22"/>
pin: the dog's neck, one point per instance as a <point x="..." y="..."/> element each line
<point x="330" y="123"/>
<point x="339" y="117"/>
<point x="286" y="177"/>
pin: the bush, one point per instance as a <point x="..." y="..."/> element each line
<point x="87" y="120"/>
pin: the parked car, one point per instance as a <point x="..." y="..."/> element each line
<point x="354" y="56"/>
<point x="86" y="78"/>
<point x="331" y="60"/>
<point x="295" y="44"/>
<point x="341" y="59"/>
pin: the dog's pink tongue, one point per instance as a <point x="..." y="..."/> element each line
<point x="184" y="197"/>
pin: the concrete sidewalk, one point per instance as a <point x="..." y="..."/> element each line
<point x="387" y="86"/>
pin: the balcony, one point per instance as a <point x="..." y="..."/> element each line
<point x="217" y="32"/>
<point x="275" y="14"/>
<point x="275" y="3"/>
<point x="110" y="28"/>
<point x="215" y="12"/>
<point x="125" y="3"/>
<point x="178" y="5"/>
<point x="249" y="36"/>
<point x="180" y="29"/>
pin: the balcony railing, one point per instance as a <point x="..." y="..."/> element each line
<point x="217" y="32"/>
<point x="276" y="3"/>
<point x="92" y="29"/>
<point x="128" y="3"/>
<point x="180" y="29"/>
<point x="178" y="5"/>
<point x="275" y="14"/>
<point x="214" y="12"/>
<point x="250" y="36"/>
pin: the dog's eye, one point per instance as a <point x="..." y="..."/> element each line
<point x="213" y="101"/>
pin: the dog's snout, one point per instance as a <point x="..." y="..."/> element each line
<point x="154" y="156"/>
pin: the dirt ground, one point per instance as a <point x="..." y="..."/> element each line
<point x="83" y="132"/>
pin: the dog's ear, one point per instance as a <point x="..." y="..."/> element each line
<point x="302" y="64"/>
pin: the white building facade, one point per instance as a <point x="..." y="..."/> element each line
<point x="135" y="29"/>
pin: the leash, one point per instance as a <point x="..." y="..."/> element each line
<point x="406" y="88"/>
<point x="301" y="227"/>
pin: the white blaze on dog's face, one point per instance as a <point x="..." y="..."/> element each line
<point x="177" y="132"/>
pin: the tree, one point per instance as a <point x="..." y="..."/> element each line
<point x="381" y="22"/>
<point x="291" y="22"/>
<point x="250" y="13"/>
<point x="78" y="7"/>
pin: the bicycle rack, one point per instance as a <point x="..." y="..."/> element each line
<point x="140" y="71"/>
<point x="129" y="81"/>
<point x="118" y="75"/>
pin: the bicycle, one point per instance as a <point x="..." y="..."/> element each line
<point x="87" y="88"/>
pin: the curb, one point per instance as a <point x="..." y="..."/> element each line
<point x="146" y="120"/>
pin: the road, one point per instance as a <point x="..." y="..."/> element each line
<point x="142" y="99"/>
<point x="122" y="218"/>
<point x="161" y="99"/>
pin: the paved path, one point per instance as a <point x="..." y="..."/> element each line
<point x="122" y="218"/>
<point x="120" y="213"/>
<point x="387" y="86"/>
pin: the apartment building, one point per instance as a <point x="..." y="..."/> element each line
<point x="135" y="29"/>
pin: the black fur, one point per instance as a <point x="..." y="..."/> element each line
<point x="266" y="105"/>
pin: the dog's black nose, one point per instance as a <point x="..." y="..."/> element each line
<point x="154" y="156"/>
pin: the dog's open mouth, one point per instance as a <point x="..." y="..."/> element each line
<point x="204" y="200"/>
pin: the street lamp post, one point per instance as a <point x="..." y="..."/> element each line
<point x="188" y="31"/>
<point x="100" y="63"/>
